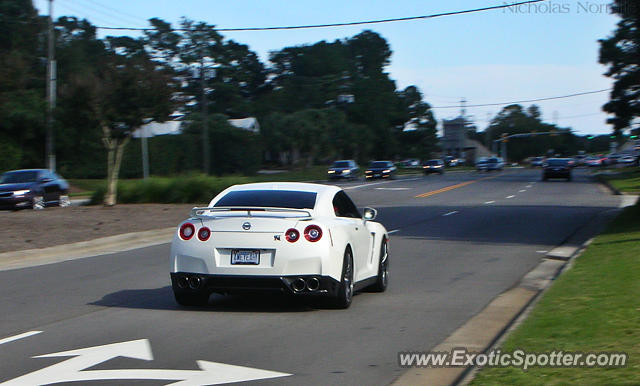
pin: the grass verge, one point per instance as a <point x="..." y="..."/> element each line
<point x="626" y="180"/>
<point x="593" y="307"/>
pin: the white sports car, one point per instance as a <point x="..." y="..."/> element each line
<point x="297" y="238"/>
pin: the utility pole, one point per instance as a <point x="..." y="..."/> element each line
<point x="51" y="94"/>
<point x="205" y="121"/>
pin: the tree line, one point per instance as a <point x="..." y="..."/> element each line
<point x="314" y="102"/>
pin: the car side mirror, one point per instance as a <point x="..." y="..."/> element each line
<point x="369" y="214"/>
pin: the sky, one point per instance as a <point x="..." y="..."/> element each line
<point x="533" y="51"/>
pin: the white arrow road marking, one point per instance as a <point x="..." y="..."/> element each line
<point x="71" y="370"/>
<point x="20" y="336"/>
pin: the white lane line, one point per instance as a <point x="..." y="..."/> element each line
<point x="450" y="213"/>
<point x="363" y="185"/>
<point x="511" y="196"/>
<point x="542" y="251"/>
<point x="393" y="231"/>
<point x="20" y="336"/>
<point x="522" y="190"/>
<point x="489" y="202"/>
<point x="379" y="183"/>
<point x="528" y="186"/>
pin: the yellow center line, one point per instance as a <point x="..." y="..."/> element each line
<point x="448" y="188"/>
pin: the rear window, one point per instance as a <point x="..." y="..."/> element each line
<point x="432" y="162"/>
<point x="557" y="162"/>
<point x="19" y="177"/>
<point x="341" y="164"/>
<point x="379" y="164"/>
<point x="269" y="198"/>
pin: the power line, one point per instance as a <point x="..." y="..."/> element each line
<point x="524" y="101"/>
<point x="329" y="25"/>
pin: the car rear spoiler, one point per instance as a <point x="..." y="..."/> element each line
<point x="225" y="210"/>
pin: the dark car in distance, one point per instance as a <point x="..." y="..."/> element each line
<point x="433" y="166"/>
<point x="380" y="169"/>
<point x="343" y="169"/>
<point x="556" y="168"/>
<point x="33" y="188"/>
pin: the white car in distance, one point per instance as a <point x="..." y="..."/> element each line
<point x="297" y="238"/>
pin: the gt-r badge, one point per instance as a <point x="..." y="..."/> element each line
<point x="276" y="237"/>
<point x="246" y="226"/>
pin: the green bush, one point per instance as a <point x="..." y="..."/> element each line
<point x="186" y="189"/>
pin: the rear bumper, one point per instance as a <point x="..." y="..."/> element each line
<point x="299" y="285"/>
<point x="16" y="202"/>
<point x="557" y="174"/>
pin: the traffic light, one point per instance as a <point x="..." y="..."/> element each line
<point x="590" y="137"/>
<point x="504" y="138"/>
<point x="612" y="136"/>
<point x="633" y="137"/>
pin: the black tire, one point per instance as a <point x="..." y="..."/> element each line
<point x="345" y="290"/>
<point x="191" y="299"/>
<point x="383" y="269"/>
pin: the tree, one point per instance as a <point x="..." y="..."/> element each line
<point x="621" y="53"/>
<point x="122" y="93"/>
<point x="420" y="139"/>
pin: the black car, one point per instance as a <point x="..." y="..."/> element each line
<point x="433" y="166"/>
<point x="33" y="188"/>
<point x="347" y="169"/>
<point x="556" y="168"/>
<point x="380" y="169"/>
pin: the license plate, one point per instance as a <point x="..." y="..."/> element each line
<point x="244" y="256"/>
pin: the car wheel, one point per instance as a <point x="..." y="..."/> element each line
<point x="64" y="201"/>
<point x="191" y="299"/>
<point x="345" y="290"/>
<point x="383" y="269"/>
<point x="37" y="203"/>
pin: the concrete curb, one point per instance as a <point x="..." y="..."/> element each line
<point x="101" y="246"/>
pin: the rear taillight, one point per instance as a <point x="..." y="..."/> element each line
<point x="292" y="235"/>
<point x="204" y="234"/>
<point x="312" y="233"/>
<point x="187" y="230"/>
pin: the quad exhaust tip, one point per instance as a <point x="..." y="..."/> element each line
<point x="313" y="284"/>
<point x="298" y="284"/>
<point x="194" y="282"/>
<point x="182" y="282"/>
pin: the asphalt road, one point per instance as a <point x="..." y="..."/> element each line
<point x="458" y="241"/>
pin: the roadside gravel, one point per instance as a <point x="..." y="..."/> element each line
<point x="28" y="229"/>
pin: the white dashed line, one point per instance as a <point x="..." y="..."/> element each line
<point x="511" y="196"/>
<point x="450" y="213"/>
<point x="393" y="231"/>
<point x="528" y="186"/>
<point x="522" y="191"/>
<point x="542" y="251"/>
<point x="489" y="202"/>
<point x="17" y="337"/>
